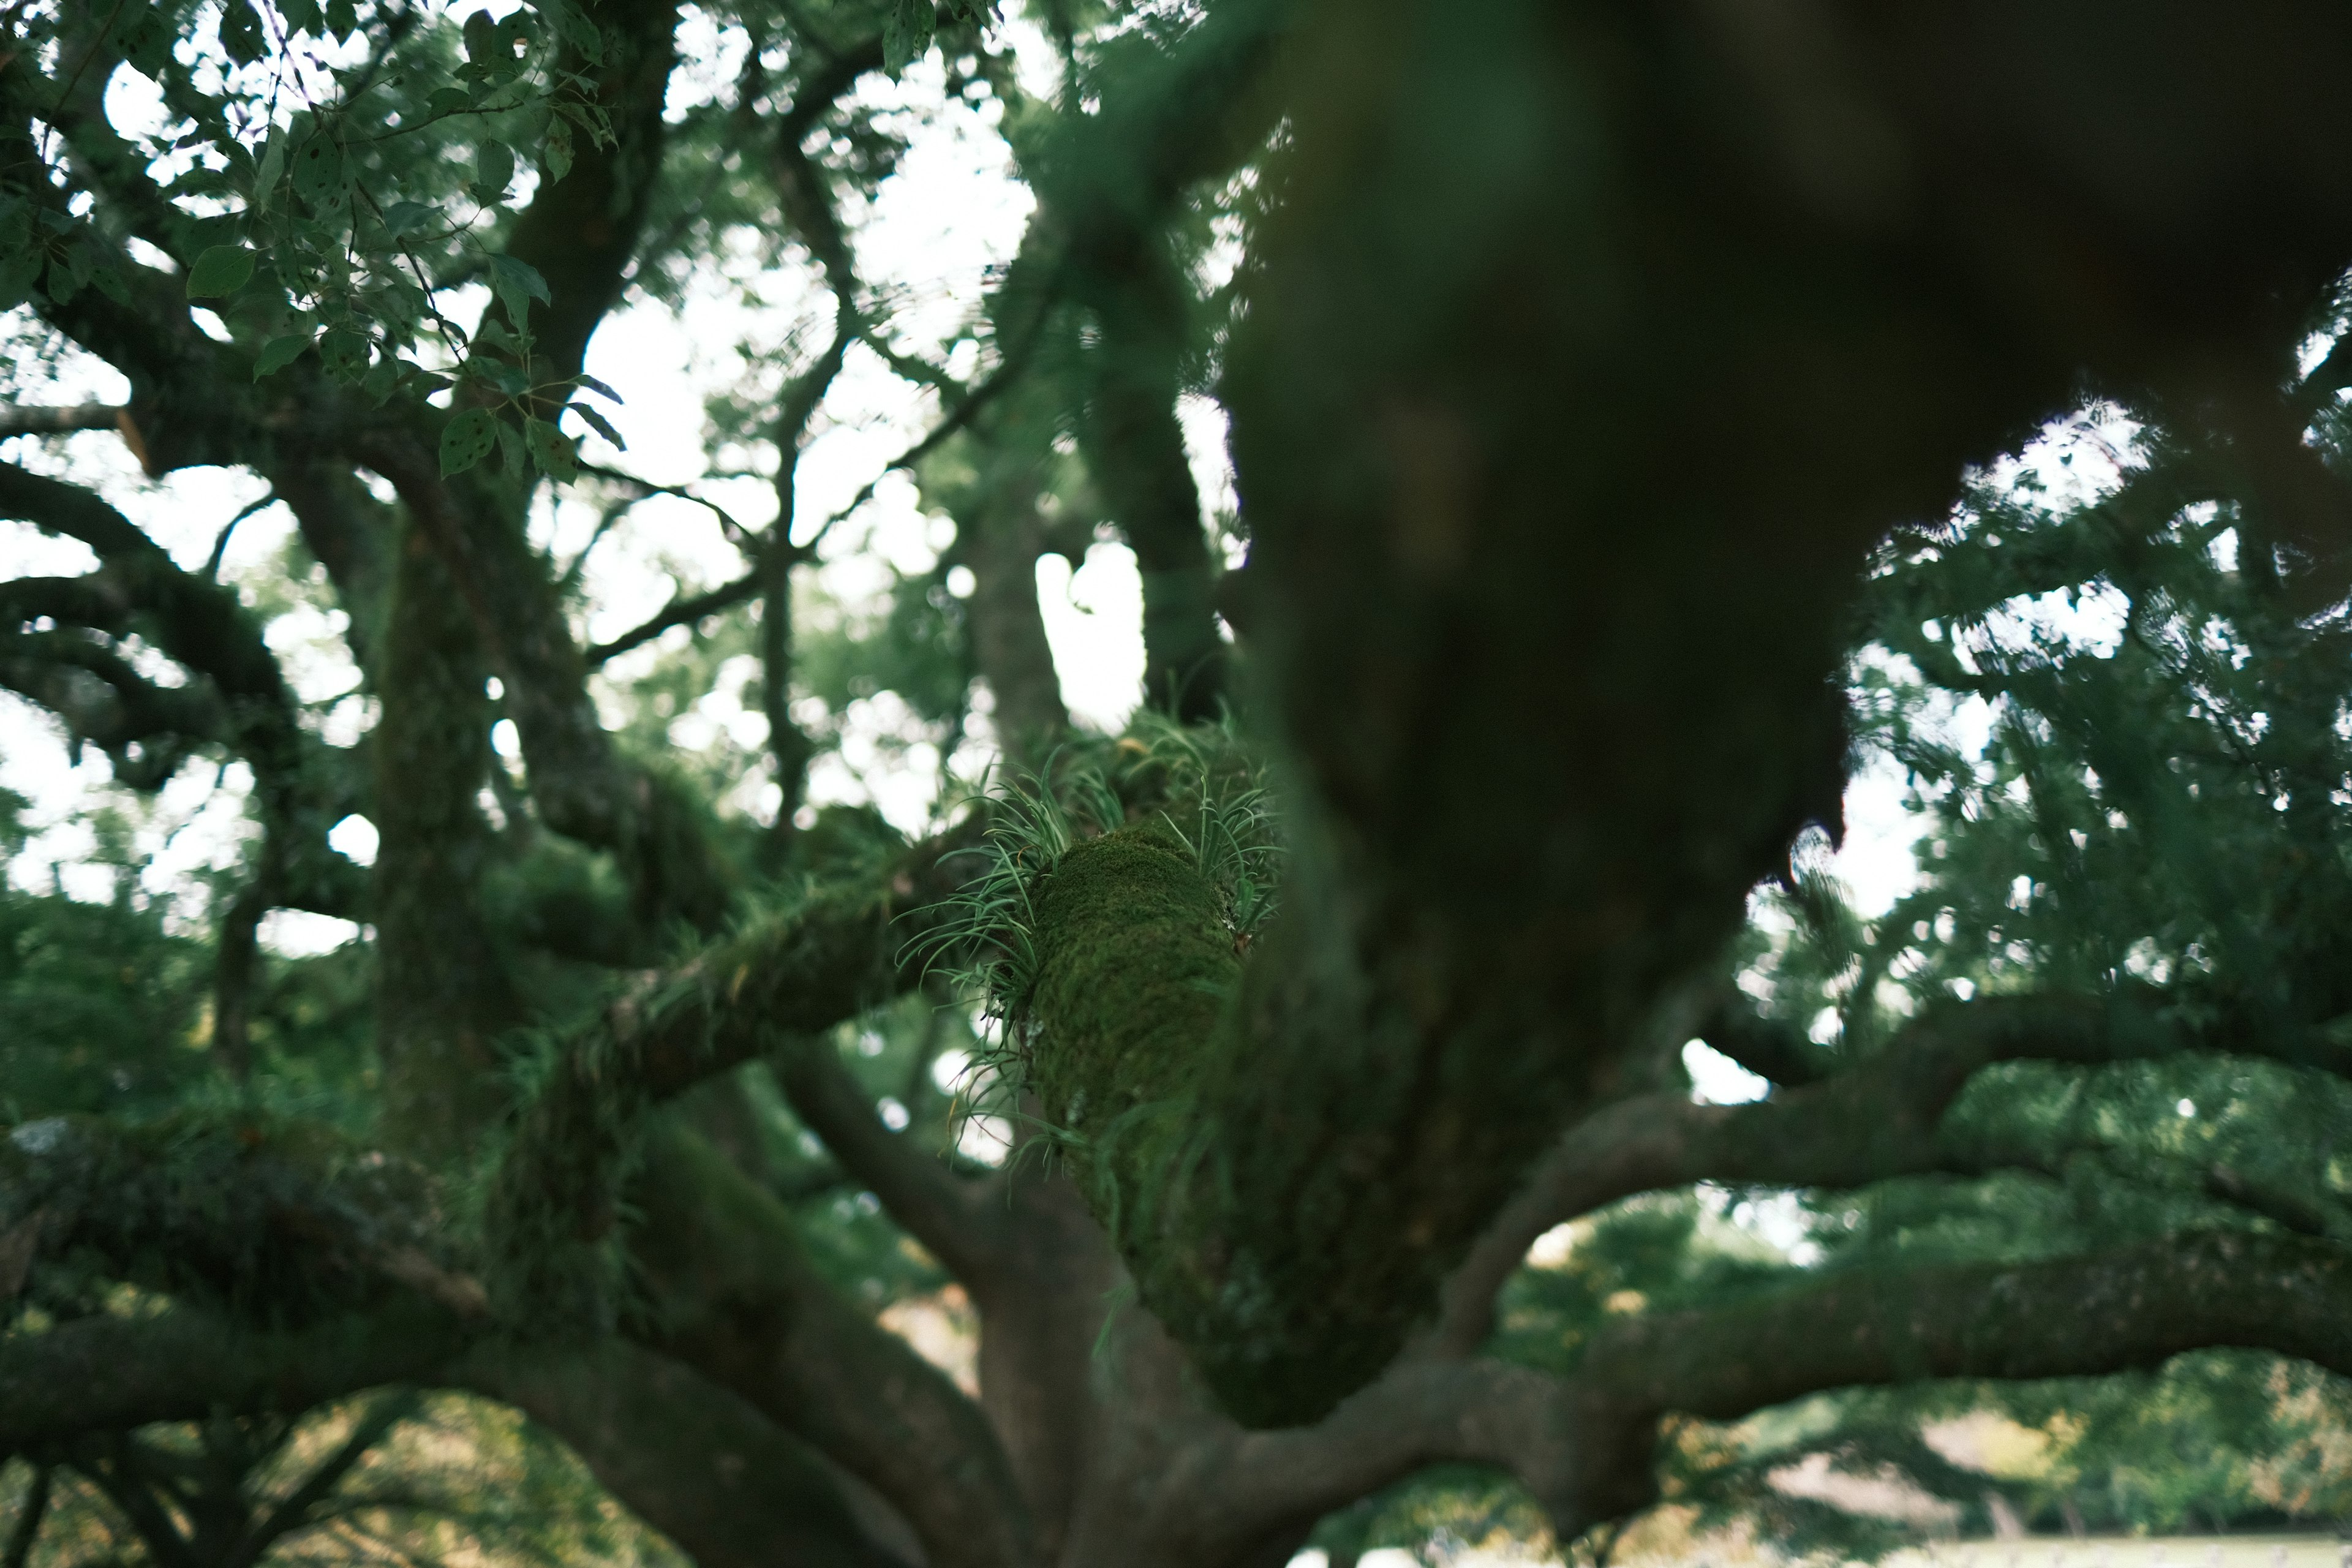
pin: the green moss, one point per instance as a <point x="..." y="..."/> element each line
<point x="1136" y="971"/>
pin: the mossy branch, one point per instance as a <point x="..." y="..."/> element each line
<point x="550" y="1207"/>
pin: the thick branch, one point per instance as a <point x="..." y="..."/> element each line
<point x="738" y="1301"/>
<point x="1881" y="1118"/>
<point x="203" y="626"/>
<point x="579" y="231"/>
<point x="798" y="973"/>
<point x="110" y="1374"/>
<point x="1582" y="1444"/>
<point x="692" y="1459"/>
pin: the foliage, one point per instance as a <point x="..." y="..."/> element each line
<point x="2123" y="737"/>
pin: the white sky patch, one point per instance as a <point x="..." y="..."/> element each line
<point x="1094" y="622"/>
<point x="1717" y="1079"/>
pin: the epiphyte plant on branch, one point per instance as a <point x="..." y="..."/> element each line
<point x="1616" y="400"/>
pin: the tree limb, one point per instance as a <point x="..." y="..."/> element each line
<point x="729" y="1484"/>
<point x="1879" y="1118"/>
<point x="959" y="1221"/>
<point x="110" y="1373"/>
<point x="551" y="1204"/>
<point x="28" y="419"/>
<point x="1582" y="1443"/>
<point x="737" y="1300"/>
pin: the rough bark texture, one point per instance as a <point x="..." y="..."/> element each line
<point x="443" y="994"/>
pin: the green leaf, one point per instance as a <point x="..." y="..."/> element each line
<point x="510" y="451"/>
<point x="108" y="281"/>
<point x="342" y="21"/>
<point x="517" y="283"/>
<point x="481" y="36"/>
<point x="557" y="454"/>
<point x="466" y="440"/>
<point x="404" y="218"/>
<point x="278" y="352"/>
<point x="302" y="17"/>
<point x="344" y="352"/>
<point x="20" y="268"/>
<point x="573" y="27"/>
<point x="906" y="33"/>
<point x="319" y="171"/>
<point x="494" y="167"/>
<point x="146" y="40"/>
<point x="240" y="33"/>
<point x="62" y="285"/>
<point x="377" y="384"/>
<point x="507" y="379"/>
<point x="598" y="388"/>
<point x="555" y="152"/>
<point x="448" y="101"/>
<point x="220" y="270"/>
<point x="272" y="169"/>
<point x="601" y="426"/>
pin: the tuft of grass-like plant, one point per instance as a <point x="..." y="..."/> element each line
<point x="1200" y="782"/>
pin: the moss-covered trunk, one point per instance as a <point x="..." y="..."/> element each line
<point x="443" y="994"/>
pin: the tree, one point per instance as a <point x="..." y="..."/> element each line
<point x="1580" y="360"/>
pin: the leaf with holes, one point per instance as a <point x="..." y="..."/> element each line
<point x="240" y="33"/>
<point x="220" y="270"/>
<point x="555" y="152"/>
<point x="557" y="454"/>
<point x="319" y="171"/>
<point x="466" y="440"/>
<point x="278" y="352"/>
<point x="344" y="352"/>
<point x="573" y="28"/>
<point x="146" y="40"/>
<point x="907" y="33"/>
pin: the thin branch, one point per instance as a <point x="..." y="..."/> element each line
<point x="27" y="1527"/>
<point x="679" y="612"/>
<point x="301" y="1507"/>
<point x="29" y="419"/>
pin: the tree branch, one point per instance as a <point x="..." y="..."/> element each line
<point x="1582" y="1443"/>
<point x="1882" y="1118"/>
<point x="738" y="1301"/>
<point x="552" y="1202"/>
<point x="683" y="611"/>
<point x="110" y="1374"/>
<point x="960" y="1221"/>
<point x="732" y="1487"/>
<point x="28" y="419"/>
